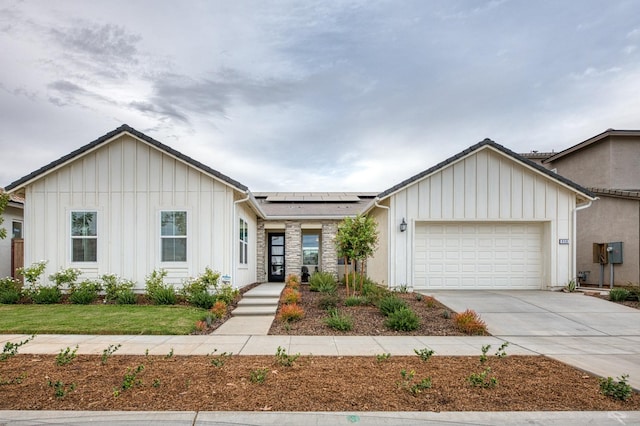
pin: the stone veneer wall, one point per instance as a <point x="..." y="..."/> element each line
<point x="329" y="262"/>
<point x="293" y="248"/>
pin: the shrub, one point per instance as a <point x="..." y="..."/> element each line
<point x="207" y="282"/>
<point x="338" y="321"/>
<point x="373" y="291"/>
<point x="126" y="297"/>
<point x="430" y="301"/>
<point x="219" y="309"/>
<point x="356" y="301"/>
<point x="84" y="293"/>
<point x="65" y="277"/>
<point x="618" y="294"/>
<point x="10" y="291"/>
<point x="328" y="301"/>
<point x="619" y="389"/>
<point x="33" y="273"/>
<point x="292" y="312"/>
<point x="46" y="295"/>
<point x="469" y="322"/>
<point x="202" y="299"/>
<point x="159" y="292"/>
<point x="323" y="282"/>
<point x="118" y="290"/>
<point x="292" y="281"/>
<point x="402" y="319"/>
<point x="290" y="295"/>
<point x="391" y="303"/>
<point x="227" y="293"/>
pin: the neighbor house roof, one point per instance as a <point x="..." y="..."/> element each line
<point x="110" y="136"/>
<point x="480" y="145"/>
<point x="313" y="205"/>
<point x="616" y="193"/>
<point x="591" y="141"/>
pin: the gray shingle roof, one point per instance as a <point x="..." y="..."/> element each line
<point x="139" y="135"/>
<point x="486" y="142"/>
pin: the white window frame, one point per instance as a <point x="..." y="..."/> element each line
<point x="174" y="237"/>
<point x="243" y="242"/>
<point x="73" y="237"/>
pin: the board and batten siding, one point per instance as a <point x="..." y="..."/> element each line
<point x="129" y="182"/>
<point x="485" y="186"/>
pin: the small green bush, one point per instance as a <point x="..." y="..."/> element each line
<point x="202" y="299"/>
<point x="328" y="301"/>
<point x="618" y="294"/>
<point x="84" y="293"/>
<point x="46" y="295"/>
<point x="338" y="321"/>
<point x="323" y="282"/>
<point x="117" y="289"/>
<point x="402" y="319"/>
<point x="617" y="389"/>
<point x="65" y="277"/>
<point x="356" y="301"/>
<point x="159" y="292"/>
<point x="389" y="304"/>
<point x="10" y="291"/>
<point x="226" y="293"/>
<point x="126" y="297"/>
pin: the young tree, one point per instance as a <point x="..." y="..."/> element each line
<point x="356" y="241"/>
<point x="4" y="201"/>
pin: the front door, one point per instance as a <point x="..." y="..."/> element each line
<point x="276" y="257"/>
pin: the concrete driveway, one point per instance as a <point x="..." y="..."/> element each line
<point x="586" y="332"/>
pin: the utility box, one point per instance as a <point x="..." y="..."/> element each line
<point x="615" y="252"/>
<point x="600" y="254"/>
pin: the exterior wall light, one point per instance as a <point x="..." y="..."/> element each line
<point x="403" y="225"/>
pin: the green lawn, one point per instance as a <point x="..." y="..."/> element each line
<point x="98" y="319"/>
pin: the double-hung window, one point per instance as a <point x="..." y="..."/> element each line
<point x="244" y="242"/>
<point x="84" y="236"/>
<point x="173" y="236"/>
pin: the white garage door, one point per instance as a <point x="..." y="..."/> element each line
<point x="478" y="256"/>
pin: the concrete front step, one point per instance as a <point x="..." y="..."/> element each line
<point x="250" y="311"/>
<point x="258" y="301"/>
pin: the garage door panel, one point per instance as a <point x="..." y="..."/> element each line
<point x="478" y="256"/>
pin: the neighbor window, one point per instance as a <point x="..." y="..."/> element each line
<point x="173" y="236"/>
<point x="244" y="242"/>
<point x="16" y="228"/>
<point x="84" y="236"/>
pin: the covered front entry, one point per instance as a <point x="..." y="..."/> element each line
<point x="276" y="264"/>
<point x="486" y="255"/>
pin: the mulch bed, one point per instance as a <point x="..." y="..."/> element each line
<point x="313" y="383"/>
<point x="367" y="320"/>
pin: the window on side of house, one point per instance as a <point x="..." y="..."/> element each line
<point x="16" y="229"/>
<point x="244" y="242"/>
<point x="173" y="236"/>
<point x="84" y="236"/>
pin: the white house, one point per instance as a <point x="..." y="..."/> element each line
<point x="13" y="224"/>
<point x="127" y="204"/>
<point x="484" y="219"/>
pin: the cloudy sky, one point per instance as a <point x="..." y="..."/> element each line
<point x="314" y="95"/>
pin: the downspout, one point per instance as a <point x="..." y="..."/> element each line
<point x="236" y="229"/>
<point x="388" y="241"/>
<point x="574" y="250"/>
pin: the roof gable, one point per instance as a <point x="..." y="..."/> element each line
<point x="104" y="140"/>
<point x="593" y="140"/>
<point x="488" y="144"/>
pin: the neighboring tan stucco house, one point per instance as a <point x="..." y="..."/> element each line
<point x="13" y="224"/>
<point x="128" y="204"/>
<point x="608" y="165"/>
<point x="486" y="218"/>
